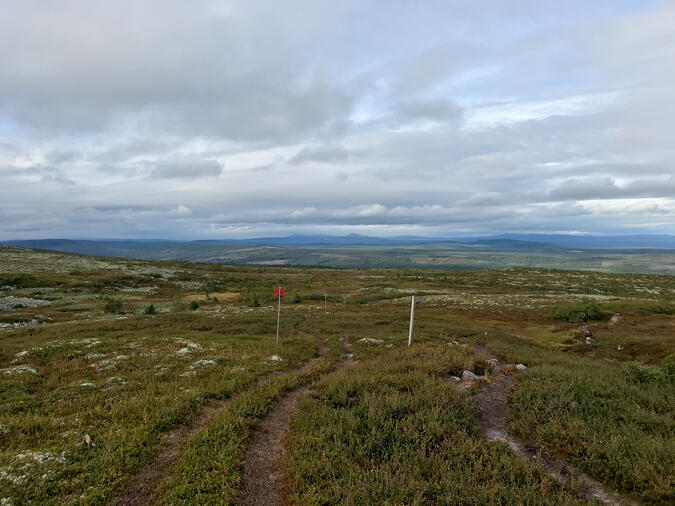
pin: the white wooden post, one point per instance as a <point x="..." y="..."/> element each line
<point x="412" y="319"/>
<point x="278" y="314"/>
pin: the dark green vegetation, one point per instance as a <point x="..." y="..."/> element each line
<point x="582" y="311"/>
<point x="398" y="433"/>
<point x="390" y="428"/>
<point x="613" y="422"/>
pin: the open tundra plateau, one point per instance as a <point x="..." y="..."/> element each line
<point x="161" y="382"/>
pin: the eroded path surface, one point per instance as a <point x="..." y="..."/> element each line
<point x="263" y="480"/>
<point x="176" y="441"/>
<point x="491" y="404"/>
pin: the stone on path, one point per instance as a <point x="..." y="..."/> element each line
<point x="469" y="376"/>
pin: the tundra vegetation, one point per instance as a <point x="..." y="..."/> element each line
<point x="91" y="380"/>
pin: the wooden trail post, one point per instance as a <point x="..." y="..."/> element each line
<point x="280" y="292"/>
<point x="325" y="303"/>
<point x="412" y="317"/>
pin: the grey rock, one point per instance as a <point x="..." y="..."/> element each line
<point x="584" y="331"/>
<point x="616" y="318"/>
<point x="469" y="376"/>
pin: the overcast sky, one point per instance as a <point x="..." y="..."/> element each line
<point x="201" y="119"/>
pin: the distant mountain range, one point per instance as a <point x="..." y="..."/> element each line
<point x="634" y="253"/>
<point x="509" y="242"/>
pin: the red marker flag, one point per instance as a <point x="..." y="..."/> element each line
<point x="283" y="292"/>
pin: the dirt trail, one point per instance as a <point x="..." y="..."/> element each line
<point x="175" y="442"/>
<point x="491" y="403"/>
<point x="263" y="480"/>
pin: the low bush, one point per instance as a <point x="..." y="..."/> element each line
<point x="252" y="299"/>
<point x="113" y="306"/>
<point x="662" y="373"/>
<point x="582" y="311"/>
<point x="27" y="281"/>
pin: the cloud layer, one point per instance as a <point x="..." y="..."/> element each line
<point x="211" y="119"/>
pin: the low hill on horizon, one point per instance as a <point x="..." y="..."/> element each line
<point x="357" y="251"/>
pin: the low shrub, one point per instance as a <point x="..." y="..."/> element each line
<point x="662" y="373"/>
<point x="113" y="306"/>
<point x="582" y="311"/>
<point x="252" y="299"/>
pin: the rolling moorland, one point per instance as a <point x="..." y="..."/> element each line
<point x="145" y="381"/>
<point x="620" y="254"/>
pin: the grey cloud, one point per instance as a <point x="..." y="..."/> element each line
<point x="161" y="67"/>
<point x="606" y="188"/>
<point x="187" y="169"/>
<point x="323" y="154"/>
<point x="135" y="102"/>
<point x="438" y="109"/>
<point x="581" y="189"/>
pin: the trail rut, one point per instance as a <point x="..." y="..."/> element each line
<point x="264" y="475"/>
<point x="175" y="442"/>
<point x="491" y="404"/>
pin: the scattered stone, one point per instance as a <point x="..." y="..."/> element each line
<point x="87" y="384"/>
<point x="19" y="325"/>
<point x="390" y="345"/>
<point x="203" y="363"/>
<point x="455" y="343"/>
<point x="616" y="318"/>
<point x="115" y="380"/>
<point x="370" y="340"/>
<point x="109" y="363"/>
<point x="589" y="340"/>
<point x="454" y="378"/>
<point x="584" y="331"/>
<point x="10" y="303"/>
<point x="20" y="369"/>
<point x="494" y="364"/>
<point x="91" y="356"/>
<point x="469" y="376"/>
<point x="275" y="358"/>
<point x="619" y="347"/>
<point x="521" y="367"/>
<point x="87" y="440"/>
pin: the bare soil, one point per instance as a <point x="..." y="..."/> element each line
<point x="221" y="296"/>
